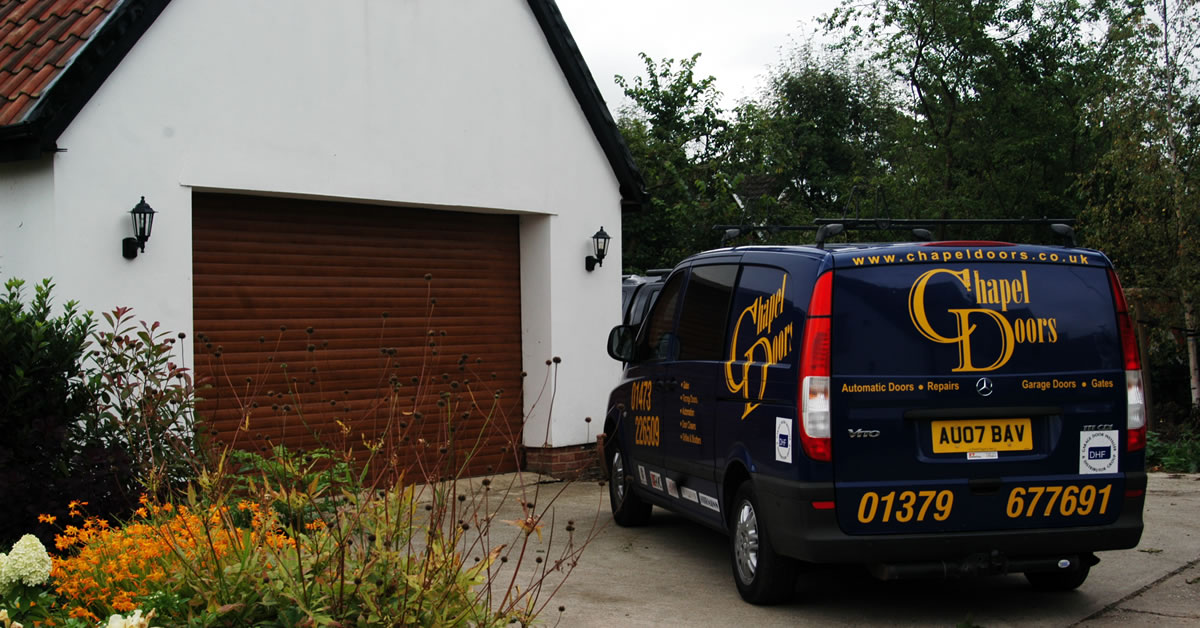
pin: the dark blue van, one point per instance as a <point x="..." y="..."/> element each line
<point x="925" y="409"/>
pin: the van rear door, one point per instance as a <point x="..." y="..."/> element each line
<point x="979" y="391"/>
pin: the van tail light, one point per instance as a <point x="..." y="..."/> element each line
<point x="1135" y="398"/>
<point x="814" y="374"/>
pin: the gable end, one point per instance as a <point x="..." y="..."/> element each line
<point x="70" y="90"/>
<point x="583" y="86"/>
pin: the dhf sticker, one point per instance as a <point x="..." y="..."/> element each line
<point x="1098" y="452"/>
<point x="783" y="439"/>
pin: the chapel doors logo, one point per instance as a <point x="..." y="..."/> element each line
<point x="760" y="339"/>
<point x="993" y="296"/>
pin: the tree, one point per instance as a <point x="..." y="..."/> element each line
<point x="822" y="127"/>
<point x="1142" y="195"/>
<point x="675" y="131"/>
<point x="997" y="91"/>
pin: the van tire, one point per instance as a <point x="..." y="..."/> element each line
<point x="1065" y="580"/>
<point x="762" y="576"/>
<point x="628" y="509"/>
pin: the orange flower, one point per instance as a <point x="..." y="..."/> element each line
<point x="123" y="602"/>
<point x="47" y="518"/>
<point x="113" y="568"/>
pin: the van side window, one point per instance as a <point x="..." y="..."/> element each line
<point x="762" y="319"/>
<point x="657" y="342"/>
<point x="705" y="312"/>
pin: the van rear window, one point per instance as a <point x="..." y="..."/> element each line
<point x="973" y="318"/>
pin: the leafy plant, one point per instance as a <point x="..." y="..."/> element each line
<point x="1178" y="453"/>
<point x="44" y="398"/>
<point x="102" y="414"/>
<point x="22" y="572"/>
<point x="300" y="482"/>
<point x="143" y="400"/>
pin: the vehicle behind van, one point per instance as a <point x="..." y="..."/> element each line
<point x="638" y="293"/>
<point x="925" y="409"/>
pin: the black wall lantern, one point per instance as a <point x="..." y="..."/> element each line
<point x="600" y="245"/>
<point x="143" y="223"/>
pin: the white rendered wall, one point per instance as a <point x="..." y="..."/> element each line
<point x="27" y="222"/>
<point x="456" y="105"/>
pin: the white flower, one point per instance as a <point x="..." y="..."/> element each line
<point x="133" y="621"/>
<point x="28" y="562"/>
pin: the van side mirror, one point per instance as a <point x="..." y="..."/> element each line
<point x="621" y="342"/>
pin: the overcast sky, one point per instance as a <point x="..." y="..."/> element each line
<point x="737" y="39"/>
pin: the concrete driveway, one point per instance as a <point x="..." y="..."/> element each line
<point x="677" y="573"/>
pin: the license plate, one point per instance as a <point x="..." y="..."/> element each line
<point x="963" y="436"/>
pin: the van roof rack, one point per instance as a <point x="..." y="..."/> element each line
<point x="826" y="228"/>
<point x="830" y="227"/>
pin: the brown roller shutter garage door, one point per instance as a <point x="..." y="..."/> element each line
<point x="351" y="325"/>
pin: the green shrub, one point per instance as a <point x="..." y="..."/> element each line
<point x="143" y="401"/>
<point x="103" y="415"/>
<point x="1178" y="451"/>
<point x="44" y="398"/>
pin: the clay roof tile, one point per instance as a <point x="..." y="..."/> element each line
<point x="37" y="41"/>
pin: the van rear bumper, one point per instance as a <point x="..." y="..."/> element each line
<point x="800" y="531"/>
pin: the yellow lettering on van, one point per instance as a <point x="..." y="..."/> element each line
<point x="640" y="395"/>
<point x="989" y="292"/>
<point x="916" y="303"/>
<point x="769" y="347"/>
<point x="965" y="329"/>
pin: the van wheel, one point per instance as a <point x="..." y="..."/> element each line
<point x="627" y="508"/>
<point x="762" y="576"/>
<point x="1064" y="580"/>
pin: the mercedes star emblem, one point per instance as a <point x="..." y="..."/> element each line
<point x="984" y="386"/>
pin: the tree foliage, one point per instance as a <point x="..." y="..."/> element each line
<point x="675" y="130"/>
<point x="997" y="93"/>
<point x="1143" y="193"/>
<point x="822" y="127"/>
